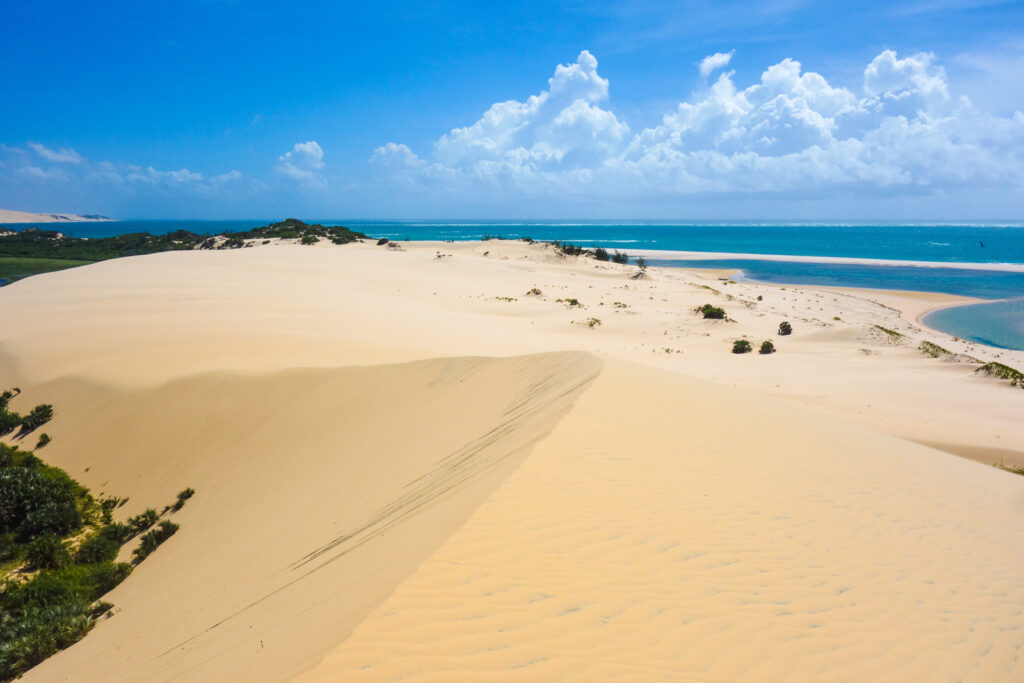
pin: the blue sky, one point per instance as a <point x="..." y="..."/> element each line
<point x="245" y="108"/>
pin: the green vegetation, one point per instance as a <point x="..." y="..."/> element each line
<point x="593" y="322"/>
<point x="620" y="257"/>
<point x="16" y="268"/>
<point x="1004" y="372"/>
<point x="741" y="346"/>
<point x="152" y="539"/>
<point x="711" y="312"/>
<point x="44" y="439"/>
<point x="641" y="263"/>
<point x="767" y="347"/>
<point x="534" y="291"/>
<point x="39" y="416"/>
<point x="571" y="303"/>
<point x="785" y="328"/>
<point x="601" y="254"/>
<point x="933" y="350"/>
<point x="58" y="550"/>
<point x="32" y="250"/>
<point x="568" y="249"/>
<point x="893" y="335"/>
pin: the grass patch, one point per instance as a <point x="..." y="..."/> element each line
<point x="893" y="335"/>
<point x="741" y="346"/>
<point x="1003" y="372"/>
<point x="933" y="350"/>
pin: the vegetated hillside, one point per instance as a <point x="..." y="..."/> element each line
<point x="36" y="243"/>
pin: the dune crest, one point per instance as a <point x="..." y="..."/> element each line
<point x="318" y="491"/>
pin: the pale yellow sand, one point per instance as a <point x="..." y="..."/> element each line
<point x="9" y="216"/>
<point x="303" y="391"/>
<point x="670" y="529"/>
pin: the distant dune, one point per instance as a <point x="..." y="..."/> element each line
<point x="487" y="461"/>
<point x="8" y="216"/>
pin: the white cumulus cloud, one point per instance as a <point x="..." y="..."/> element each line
<point x="303" y="163"/>
<point x="790" y="132"/>
<point x="713" y="63"/>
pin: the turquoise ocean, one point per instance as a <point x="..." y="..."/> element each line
<point x="997" y="247"/>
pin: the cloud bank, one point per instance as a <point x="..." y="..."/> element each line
<point x="792" y="133"/>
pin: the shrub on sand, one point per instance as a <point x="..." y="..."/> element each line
<point x="741" y="346"/>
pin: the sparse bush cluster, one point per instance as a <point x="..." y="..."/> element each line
<point x="711" y="312"/>
<point x="10" y="420"/>
<point x="744" y="346"/>
<point x="36" y="243"/>
<point x="785" y="329"/>
<point x="58" y="550"/>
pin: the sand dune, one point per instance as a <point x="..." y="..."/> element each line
<point x="8" y="216"/>
<point x="671" y="529"/>
<point x="353" y="420"/>
<point x="318" y="491"/>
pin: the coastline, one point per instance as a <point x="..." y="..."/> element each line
<point x="838" y="260"/>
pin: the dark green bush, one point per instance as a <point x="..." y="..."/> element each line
<point x="39" y="416"/>
<point x="309" y="239"/>
<point x="32" y="503"/>
<point x="142" y="521"/>
<point x="620" y="257"/>
<point x="712" y="312"/>
<point x="7" y="395"/>
<point x="47" y="552"/>
<point x="182" y="497"/>
<point x="741" y="346"/>
<point x="152" y="539"/>
<point x="785" y="328"/>
<point x="641" y="263"/>
<point x="44" y="439"/>
<point x="98" y="548"/>
<point x="568" y="248"/>
<point x="382" y="241"/>
<point x="36" y="633"/>
<point x="9" y="421"/>
<point x="601" y="254"/>
<point x="767" y="347"/>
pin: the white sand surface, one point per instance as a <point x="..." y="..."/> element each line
<point x="9" y="216"/>
<point x="630" y="499"/>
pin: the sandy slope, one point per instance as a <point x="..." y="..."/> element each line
<point x="263" y="377"/>
<point x="670" y="529"/>
<point x="317" y="492"/>
<point x="8" y="216"/>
